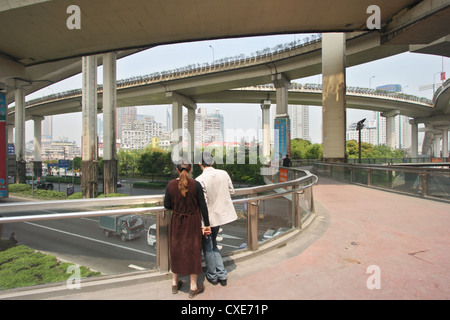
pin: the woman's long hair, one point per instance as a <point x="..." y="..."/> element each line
<point x="184" y="169"/>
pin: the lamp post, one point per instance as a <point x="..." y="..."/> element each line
<point x="370" y="80"/>
<point x="359" y="126"/>
<point x="213" y="53"/>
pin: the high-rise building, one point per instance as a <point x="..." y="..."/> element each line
<point x="137" y="131"/>
<point x="47" y="128"/>
<point x="125" y="115"/>
<point x="369" y="133"/>
<point x="299" y="116"/>
<point x="374" y="131"/>
<point x="207" y="127"/>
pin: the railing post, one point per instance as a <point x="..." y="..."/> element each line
<point x="162" y="241"/>
<point x="252" y="220"/>
<point x="296" y="208"/>
<point x="424" y="184"/>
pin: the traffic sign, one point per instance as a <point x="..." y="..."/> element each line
<point x="63" y="163"/>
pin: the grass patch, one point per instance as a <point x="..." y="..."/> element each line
<point x="76" y="195"/>
<point x="26" y="191"/>
<point x="21" y="266"/>
<point x="112" y="195"/>
<point x="45" y="194"/>
<point x="18" y="187"/>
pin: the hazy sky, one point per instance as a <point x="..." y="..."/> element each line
<point x="410" y="70"/>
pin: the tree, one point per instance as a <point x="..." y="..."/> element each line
<point x="314" y="151"/>
<point x="299" y="148"/>
<point x="372" y="151"/>
<point x="77" y="163"/>
<point x="353" y="149"/>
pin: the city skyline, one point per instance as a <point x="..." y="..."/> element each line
<point x="410" y="70"/>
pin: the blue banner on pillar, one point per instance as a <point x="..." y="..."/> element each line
<point x="3" y="177"/>
<point x="282" y="138"/>
<point x="2" y="107"/>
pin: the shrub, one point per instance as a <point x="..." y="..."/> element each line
<point x="111" y="195"/>
<point x="76" y="195"/>
<point x="19" y="187"/>
<point x="46" y="194"/>
<point x="22" y="266"/>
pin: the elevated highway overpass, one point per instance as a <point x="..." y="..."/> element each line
<point x="43" y="48"/>
<point x="247" y="80"/>
<point x="39" y="49"/>
<point x="299" y="94"/>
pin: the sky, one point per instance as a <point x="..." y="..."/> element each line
<point x="410" y="70"/>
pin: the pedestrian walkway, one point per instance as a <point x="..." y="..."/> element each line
<point x="363" y="244"/>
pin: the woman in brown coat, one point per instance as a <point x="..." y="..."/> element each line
<point x="184" y="196"/>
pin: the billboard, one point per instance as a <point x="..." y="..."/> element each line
<point x="3" y="148"/>
<point x="282" y="138"/>
<point x="390" y="88"/>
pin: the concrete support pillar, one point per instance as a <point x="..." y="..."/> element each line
<point x="37" y="150"/>
<point x="414" y="140"/>
<point x="89" y="163"/>
<point x="178" y="101"/>
<point x="445" y="143"/>
<point x="333" y="97"/>
<point x="390" y="127"/>
<point x="390" y="132"/>
<point x="282" y="84"/>
<point x="20" y="135"/>
<point x="191" y="122"/>
<point x="265" y="107"/>
<point x="109" y="123"/>
<point x="282" y="141"/>
<point x="437" y="145"/>
<point x="177" y="126"/>
<point x="10" y="133"/>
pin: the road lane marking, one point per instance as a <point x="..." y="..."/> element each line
<point x="91" y="239"/>
<point x="136" y="267"/>
<point x="229" y="236"/>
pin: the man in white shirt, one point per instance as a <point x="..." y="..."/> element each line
<point x="217" y="188"/>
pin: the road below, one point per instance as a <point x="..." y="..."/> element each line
<point x="83" y="242"/>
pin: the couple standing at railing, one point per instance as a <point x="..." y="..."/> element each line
<point x="207" y="198"/>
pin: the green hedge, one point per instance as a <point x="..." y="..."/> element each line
<point x="45" y="194"/>
<point x="79" y="195"/>
<point x="112" y="195"/>
<point x="18" y="187"/>
<point x="22" y="266"/>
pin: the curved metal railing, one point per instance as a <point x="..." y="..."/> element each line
<point x="277" y="207"/>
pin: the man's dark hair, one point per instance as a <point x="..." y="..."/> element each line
<point x="207" y="159"/>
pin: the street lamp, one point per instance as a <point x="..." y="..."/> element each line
<point x="359" y="126"/>
<point x="370" y="80"/>
<point x="213" y="53"/>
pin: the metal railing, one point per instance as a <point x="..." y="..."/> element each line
<point x="264" y="212"/>
<point x="425" y="182"/>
